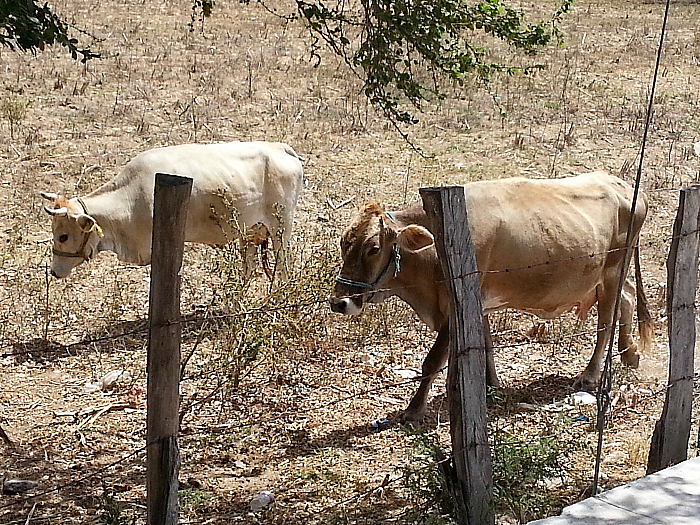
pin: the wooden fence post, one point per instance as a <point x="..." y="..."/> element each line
<point x="171" y="197"/>
<point x="466" y="376"/>
<point x="669" y="443"/>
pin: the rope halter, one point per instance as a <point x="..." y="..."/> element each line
<point x="395" y="259"/>
<point x="79" y="253"/>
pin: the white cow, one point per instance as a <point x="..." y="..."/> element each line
<point x="244" y="190"/>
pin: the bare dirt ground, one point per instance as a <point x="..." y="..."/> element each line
<point x="289" y="406"/>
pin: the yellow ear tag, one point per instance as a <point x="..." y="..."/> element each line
<point x="95" y="228"/>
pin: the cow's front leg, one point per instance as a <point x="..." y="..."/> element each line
<point x="433" y="363"/>
<point x="491" y="374"/>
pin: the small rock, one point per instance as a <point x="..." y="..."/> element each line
<point x="18" y="486"/>
<point x="527" y="406"/>
<point x="262" y="500"/>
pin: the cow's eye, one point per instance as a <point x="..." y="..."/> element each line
<point x="63" y="238"/>
<point x="374" y="250"/>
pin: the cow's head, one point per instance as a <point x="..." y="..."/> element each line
<point x="75" y="234"/>
<point x="371" y="248"/>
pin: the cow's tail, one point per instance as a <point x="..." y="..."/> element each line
<point x="290" y="151"/>
<point x="646" y="323"/>
<point x="267" y="265"/>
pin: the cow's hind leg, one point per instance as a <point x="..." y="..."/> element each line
<point x="433" y="363"/>
<point x="606" y="294"/>
<point x="248" y="253"/>
<point x="628" y="348"/>
<point x="279" y="224"/>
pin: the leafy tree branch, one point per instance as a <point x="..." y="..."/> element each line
<point x="404" y="50"/>
<point x="28" y="26"/>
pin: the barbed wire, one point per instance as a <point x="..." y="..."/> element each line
<point x="190" y="434"/>
<point x="23" y="499"/>
<point x="306" y="304"/>
<point x="276" y="417"/>
<point x="322" y="301"/>
<point x="359" y="496"/>
<point x="663" y="390"/>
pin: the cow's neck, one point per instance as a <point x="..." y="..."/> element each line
<point x="121" y="224"/>
<point x="419" y="283"/>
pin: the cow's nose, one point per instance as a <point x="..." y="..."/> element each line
<point x="339" y="306"/>
<point x="54" y="274"/>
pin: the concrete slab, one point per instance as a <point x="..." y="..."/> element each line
<point x="669" y="497"/>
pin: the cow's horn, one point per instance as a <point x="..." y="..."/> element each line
<point x="56" y="211"/>
<point x="49" y="196"/>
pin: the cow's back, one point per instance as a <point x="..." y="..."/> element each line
<point x="544" y="245"/>
<point x="240" y="167"/>
<point x="234" y="184"/>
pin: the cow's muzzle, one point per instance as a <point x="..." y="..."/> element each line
<point x="346" y="305"/>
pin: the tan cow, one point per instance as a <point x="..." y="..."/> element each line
<point x="569" y="232"/>
<point x="256" y="182"/>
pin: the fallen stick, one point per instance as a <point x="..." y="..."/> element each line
<point x="98" y="412"/>
<point x="338" y="206"/>
<point x="36" y="518"/>
<point x="6" y="438"/>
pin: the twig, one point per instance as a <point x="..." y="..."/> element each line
<point x="31" y="513"/>
<point x="101" y="411"/>
<point x="38" y="518"/>
<point x="338" y="206"/>
<point x="6" y="438"/>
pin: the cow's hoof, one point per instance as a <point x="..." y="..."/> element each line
<point x="587" y="383"/>
<point x="630" y="357"/>
<point x="411" y="420"/>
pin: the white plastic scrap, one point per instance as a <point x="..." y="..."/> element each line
<point x="407" y="373"/>
<point x="108" y="380"/>
<point x="583" y="398"/>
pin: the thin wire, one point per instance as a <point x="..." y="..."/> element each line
<point x="210" y="431"/>
<point x="322" y="301"/>
<point x="74" y="482"/>
<point x="603" y="397"/>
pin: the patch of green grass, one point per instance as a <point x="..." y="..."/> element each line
<point x="424" y="483"/>
<point x="113" y="512"/>
<point x="523" y="471"/>
<point x="523" y="468"/>
<point x="323" y="475"/>
<point x="191" y="499"/>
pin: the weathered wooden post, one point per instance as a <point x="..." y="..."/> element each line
<point x="466" y="376"/>
<point x="669" y="444"/>
<point x="171" y="197"/>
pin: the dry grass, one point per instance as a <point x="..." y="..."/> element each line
<point x="291" y="424"/>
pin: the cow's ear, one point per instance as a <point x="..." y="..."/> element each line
<point x="88" y="224"/>
<point x="415" y="237"/>
<point x="85" y="222"/>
